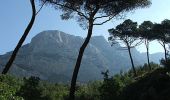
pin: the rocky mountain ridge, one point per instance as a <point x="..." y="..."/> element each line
<point x="51" y="55"/>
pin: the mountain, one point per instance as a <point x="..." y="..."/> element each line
<point x="51" y="55"/>
<point x="155" y="56"/>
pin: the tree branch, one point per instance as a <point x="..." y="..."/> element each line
<point x="160" y="43"/>
<point x="100" y="17"/>
<point x="104" y="21"/>
<point x="94" y="12"/>
<point x="40" y="8"/>
<point x="139" y="43"/>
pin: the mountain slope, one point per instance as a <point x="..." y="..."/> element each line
<point x="51" y="55"/>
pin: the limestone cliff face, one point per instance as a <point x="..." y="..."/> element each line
<point x="52" y="54"/>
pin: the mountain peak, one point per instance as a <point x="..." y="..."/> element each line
<point x="55" y="35"/>
<point x="50" y="35"/>
<point x="50" y="41"/>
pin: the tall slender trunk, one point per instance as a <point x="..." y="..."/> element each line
<point x="27" y="30"/>
<point x="131" y="59"/>
<point x="147" y="51"/>
<point x="78" y="62"/>
<point x="164" y="46"/>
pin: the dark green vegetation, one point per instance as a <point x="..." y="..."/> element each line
<point x="153" y="85"/>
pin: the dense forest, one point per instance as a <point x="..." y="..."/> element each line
<point x="148" y="82"/>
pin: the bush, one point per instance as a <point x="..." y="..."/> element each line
<point x="8" y="87"/>
<point x="112" y="87"/>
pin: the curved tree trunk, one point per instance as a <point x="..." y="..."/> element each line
<point x="147" y="51"/>
<point x="131" y="59"/>
<point x="27" y="30"/>
<point x="78" y="62"/>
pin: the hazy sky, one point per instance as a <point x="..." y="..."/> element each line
<point x="15" y="15"/>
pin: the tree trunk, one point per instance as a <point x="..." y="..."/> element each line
<point x="131" y="59"/>
<point x="147" y="51"/>
<point x="78" y="62"/>
<point x="27" y="30"/>
<point x="164" y="46"/>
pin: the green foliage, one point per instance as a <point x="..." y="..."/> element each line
<point x="84" y="10"/>
<point x="30" y="90"/>
<point x="126" y="31"/>
<point x="145" y="30"/>
<point x="162" y="31"/>
<point x="113" y="86"/>
<point x="54" y="91"/>
<point x="8" y="87"/>
<point x="7" y="92"/>
<point x="89" y="91"/>
<point x="34" y="89"/>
